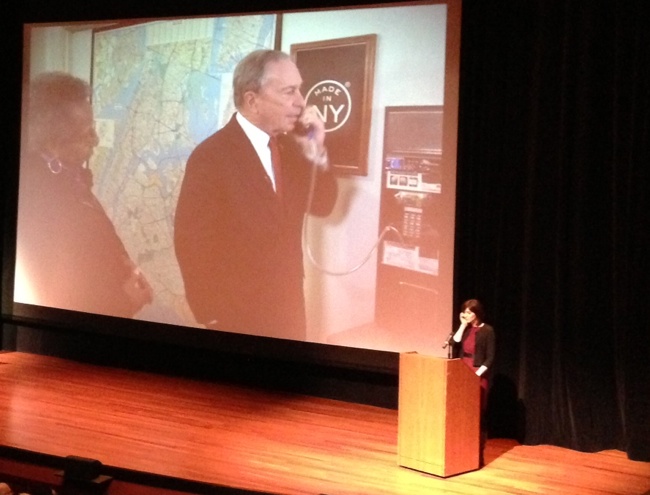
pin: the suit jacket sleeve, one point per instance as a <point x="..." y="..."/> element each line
<point x="224" y="215"/>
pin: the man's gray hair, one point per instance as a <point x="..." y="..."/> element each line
<point x="251" y="71"/>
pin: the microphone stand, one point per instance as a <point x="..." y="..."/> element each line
<point x="447" y="345"/>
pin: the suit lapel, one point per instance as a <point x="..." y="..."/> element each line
<point x="250" y="168"/>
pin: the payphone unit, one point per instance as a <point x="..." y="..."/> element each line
<point x="412" y="182"/>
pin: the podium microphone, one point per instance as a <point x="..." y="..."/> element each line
<point x="458" y="332"/>
<point x="448" y="341"/>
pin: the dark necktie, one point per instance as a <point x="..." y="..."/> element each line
<point x="277" y="165"/>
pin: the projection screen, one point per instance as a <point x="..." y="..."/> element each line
<point x="378" y="268"/>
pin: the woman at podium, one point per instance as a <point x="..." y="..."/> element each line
<point x="474" y="343"/>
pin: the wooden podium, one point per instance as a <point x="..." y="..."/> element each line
<point x="439" y="415"/>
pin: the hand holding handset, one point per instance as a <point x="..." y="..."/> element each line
<point x="303" y="130"/>
<point x="309" y="131"/>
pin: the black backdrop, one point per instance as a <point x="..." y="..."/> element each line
<point x="552" y="219"/>
<point x="552" y="223"/>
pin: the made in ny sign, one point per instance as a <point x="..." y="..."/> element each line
<point x="332" y="101"/>
<point x="339" y="74"/>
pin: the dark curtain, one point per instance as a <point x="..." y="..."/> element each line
<point x="552" y="215"/>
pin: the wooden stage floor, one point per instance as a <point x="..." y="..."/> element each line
<point x="257" y="440"/>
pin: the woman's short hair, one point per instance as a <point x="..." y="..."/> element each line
<point x="251" y="71"/>
<point x="51" y="97"/>
<point x="475" y="306"/>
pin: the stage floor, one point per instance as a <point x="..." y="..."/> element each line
<point x="256" y="440"/>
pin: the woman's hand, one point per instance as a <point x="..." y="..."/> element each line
<point x="138" y="290"/>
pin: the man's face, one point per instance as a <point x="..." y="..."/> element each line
<point x="279" y="103"/>
<point x="77" y="145"/>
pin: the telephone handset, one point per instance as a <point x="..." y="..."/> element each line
<point x="306" y="131"/>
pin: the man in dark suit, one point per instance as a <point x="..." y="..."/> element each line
<point x="239" y="218"/>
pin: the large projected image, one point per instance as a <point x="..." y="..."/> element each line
<point x="167" y="213"/>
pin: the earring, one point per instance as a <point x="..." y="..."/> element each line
<point x="54" y="165"/>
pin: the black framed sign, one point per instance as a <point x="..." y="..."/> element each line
<point x="338" y="80"/>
